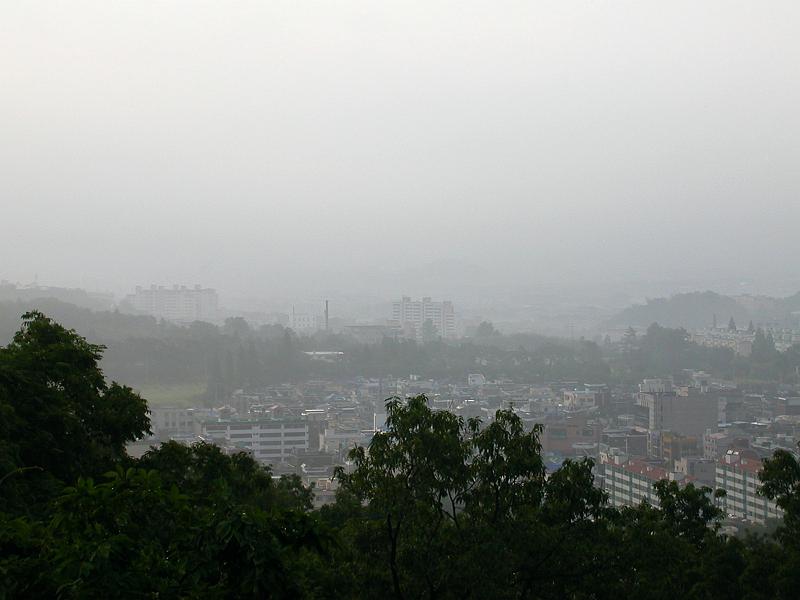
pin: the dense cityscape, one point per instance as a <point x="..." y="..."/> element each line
<point x="683" y="421"/>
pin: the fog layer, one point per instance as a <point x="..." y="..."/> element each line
<point x="255" y="146"/>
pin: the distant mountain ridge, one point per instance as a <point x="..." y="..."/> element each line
<point x="698" y="310"/>
<point x="10" y="292"/>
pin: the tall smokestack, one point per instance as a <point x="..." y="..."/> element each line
<point x="326" y="315"/>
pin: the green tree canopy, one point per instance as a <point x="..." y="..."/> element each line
<point x="60" y="419"/>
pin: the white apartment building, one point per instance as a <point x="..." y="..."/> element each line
<point x="741" y="341"/>
<point x="303" y="322"/>
<point x="178" y="303"/>
<point x="270" y="440"/>
<point x="412" y="315"/>
<point x="737" y="474"/>
<point x="630" y="482"/>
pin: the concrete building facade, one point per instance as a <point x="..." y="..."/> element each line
<point x="178" y="303"/>
<point x="270" y="440"/>
<point x="412" y="314"/>
<point x="630" y="482"/>
<point x="737" y="474"/>
<point x="685" y="411"/>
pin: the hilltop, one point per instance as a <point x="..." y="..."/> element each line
<point x="698" y="310"/>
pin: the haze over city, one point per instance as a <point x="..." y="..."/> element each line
<point x="261" y="148"/>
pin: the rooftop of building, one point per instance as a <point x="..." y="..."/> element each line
<point x="744" y="460"/>
<point x="640" y="467"/>
<point x="254" y="420"/>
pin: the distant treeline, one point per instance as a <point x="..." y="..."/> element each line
<point x="663" y="351"/>
<point x="143" y="351"/>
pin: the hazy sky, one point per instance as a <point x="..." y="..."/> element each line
<point x="257" y="145"/>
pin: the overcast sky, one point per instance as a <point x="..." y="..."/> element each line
<point x="253" y="146"/>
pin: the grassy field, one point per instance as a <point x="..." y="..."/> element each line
<point x="178" y="395"/>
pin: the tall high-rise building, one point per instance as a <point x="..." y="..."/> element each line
<point x="413" y="314"/>
<point x="178" y="303"/>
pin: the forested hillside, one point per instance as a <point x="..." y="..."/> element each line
<point x="144" y="353"/>
<point x="698" y="310"/>
<point x="695" y="310"/>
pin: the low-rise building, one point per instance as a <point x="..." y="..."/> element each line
<point x="786" y="406"/>
<point x="571" y="436"/>
<point x="270" y="440"/>
<point x="373" y="334"/>
<point x="628" y="440"/>
<point x="168" y="421"/>
<point x="579" y="400"/>
<point x="675" y="446"/>
<point x="474" y="379"/>
<point x="701" y="469"/>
